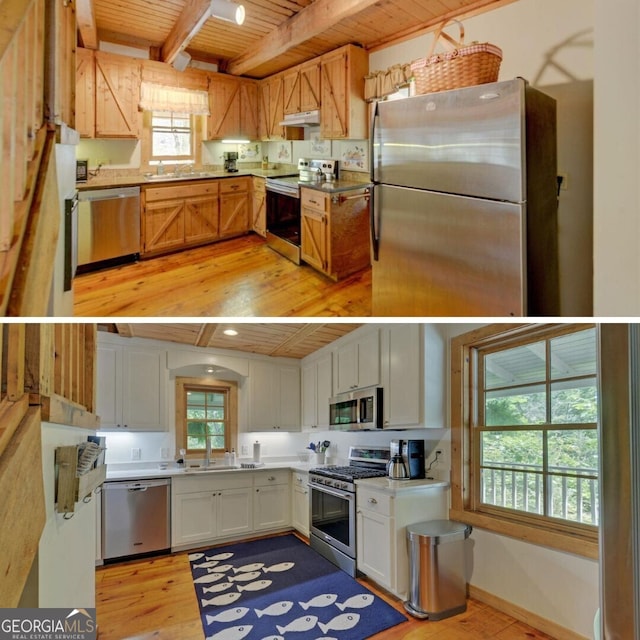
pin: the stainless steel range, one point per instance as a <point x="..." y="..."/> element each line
<point x="332" y="506"/>
<point x="283" y="204"/>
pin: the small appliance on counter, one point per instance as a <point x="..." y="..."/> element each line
<point x="412" y="455"/>
<point x="230" y="160"/>
<point x="397" y="469"/>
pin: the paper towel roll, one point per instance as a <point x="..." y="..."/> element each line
<point x="256" y="451"/>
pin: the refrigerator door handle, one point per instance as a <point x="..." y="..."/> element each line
<point x="372" y="223"/>
<point x="372" y="202"/>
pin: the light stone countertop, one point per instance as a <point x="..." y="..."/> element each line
<point x="395" y="487"/>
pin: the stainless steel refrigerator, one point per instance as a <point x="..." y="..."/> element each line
<point x="464" y="209"/>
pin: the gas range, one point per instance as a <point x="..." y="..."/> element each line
<point x="364" y="462"/>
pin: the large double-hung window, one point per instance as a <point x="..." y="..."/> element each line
<point x="526" y="430"/>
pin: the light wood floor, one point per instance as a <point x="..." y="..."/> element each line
<point x="155" y="599"/>
<point x="235" y="278"/>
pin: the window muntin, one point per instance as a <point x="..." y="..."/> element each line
<point x="172" y="136"/>
<point x="536" y="450"/>
<point x="206" y="414"/>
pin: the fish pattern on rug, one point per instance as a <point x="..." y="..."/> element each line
<point x="281" y="589"/>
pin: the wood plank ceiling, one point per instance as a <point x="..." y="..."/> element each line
<point x="288" y="340"/>
<point x="276" y="34"/>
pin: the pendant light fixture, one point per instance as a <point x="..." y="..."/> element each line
<point x="227" y="10"/>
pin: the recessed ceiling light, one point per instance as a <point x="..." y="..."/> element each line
<point x="210" y="370"/>
<point x="230" y="332"/>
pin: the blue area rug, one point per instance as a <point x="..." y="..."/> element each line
<point x="281" y="589"/>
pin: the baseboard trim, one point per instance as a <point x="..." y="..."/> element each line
<point x="523" y="615"/>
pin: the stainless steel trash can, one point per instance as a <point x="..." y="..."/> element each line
<point x="437" y="581"/>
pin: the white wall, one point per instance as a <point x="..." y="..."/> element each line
<point x="551" y="45"/>
<point x="617" y="158"/>
<point x="66" y="555"/>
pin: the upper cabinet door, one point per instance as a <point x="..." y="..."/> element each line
<point x="85" y="121"/>
<point x="310" y="98"/>
<point x="291" y="90"/>
<point x="224" y="105"/>
<point x="117" y="96"/>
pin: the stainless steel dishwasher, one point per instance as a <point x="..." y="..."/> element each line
<point x="108" y="226"/>
<point x="135" y="517"/>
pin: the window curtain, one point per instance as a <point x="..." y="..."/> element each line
<point x="156" y="97"/>
<point x="379" y="84"/>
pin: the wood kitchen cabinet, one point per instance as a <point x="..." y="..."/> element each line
<point x="334" y="236"/>
<point x="273" y="397"/>
<point x="344" y="111"/>
<point x="301" y="87"/>
<point x="259" y="207"/>
<point x="234" y="206"/>
<point x="317" y="388"/>
<point x="233" y="105"/>
<point x="117" y="83"/>
<point x="381" y="521"/>
<point x="131" y="395"/>
<point x="271" y="499"/>
<point x="85" y="93"/>
<point x="179" y="216"/>
<point x="356" y="362"/>
<point x="271" y="101"/>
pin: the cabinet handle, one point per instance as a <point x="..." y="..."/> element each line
<point x="373" y="501"/>
<point x="271" y="478"/>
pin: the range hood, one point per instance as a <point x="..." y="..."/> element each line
<point x="302" y="119"/>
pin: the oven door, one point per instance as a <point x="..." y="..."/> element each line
<point x="332" y="518"/>
<point x="283" y="223"/>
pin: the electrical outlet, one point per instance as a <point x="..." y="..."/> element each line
<point x="244" y="450"/>
<point x="564" y="185"/>
<point x="164" y="453"/>
<point x="136" y="453"/>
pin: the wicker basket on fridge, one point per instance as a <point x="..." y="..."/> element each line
<point x="461" y="66"/>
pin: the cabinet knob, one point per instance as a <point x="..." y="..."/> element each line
<point x="271" y="478"/>
<point x="373" y="501"/>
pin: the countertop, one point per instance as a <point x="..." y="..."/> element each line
<point x="109" y="180"/>
<point x="394" y="487"/>
<point x="146" y="472"/>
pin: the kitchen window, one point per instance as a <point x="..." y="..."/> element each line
<point x="172" y="137"/>
<point x="524" y="429"/>
<point x="205" y="408"/>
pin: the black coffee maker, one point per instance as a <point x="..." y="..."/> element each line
<point x="230" y="159"/>
<point x="412" y="452"/>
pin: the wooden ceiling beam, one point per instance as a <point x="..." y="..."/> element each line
<point x="283" y="349"/>
<point x="206" y="333"/>
<point x="86" y="17"/>
<point x="305" y="25"/>
<point x="193" y="16"/>
<point x="125" y="330"/>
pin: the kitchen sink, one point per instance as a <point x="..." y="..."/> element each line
<point x="166" y="177"/>
<point x="213" y="467"/>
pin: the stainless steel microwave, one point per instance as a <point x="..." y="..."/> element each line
<point x="356" y="410"/>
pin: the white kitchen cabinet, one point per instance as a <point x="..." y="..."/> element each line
<point x="273" y="397"/>
<point x="271" y="500"/>
<point x="300" y="502"/>
<point x="131" y="385"/>
<point x="317" y="379"/>
<point x="357" y="362"/>
<point x="210" y="507"/>
<point x="383" y="512"/>
<point x="413" y="373"/>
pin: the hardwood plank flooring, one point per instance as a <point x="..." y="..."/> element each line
<point x="155" y="599"/>
<point x="242" y="277"/>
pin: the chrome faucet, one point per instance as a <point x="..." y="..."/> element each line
<point x="207" y="450"/>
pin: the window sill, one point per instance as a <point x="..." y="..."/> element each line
<point x="582" y="545"/>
